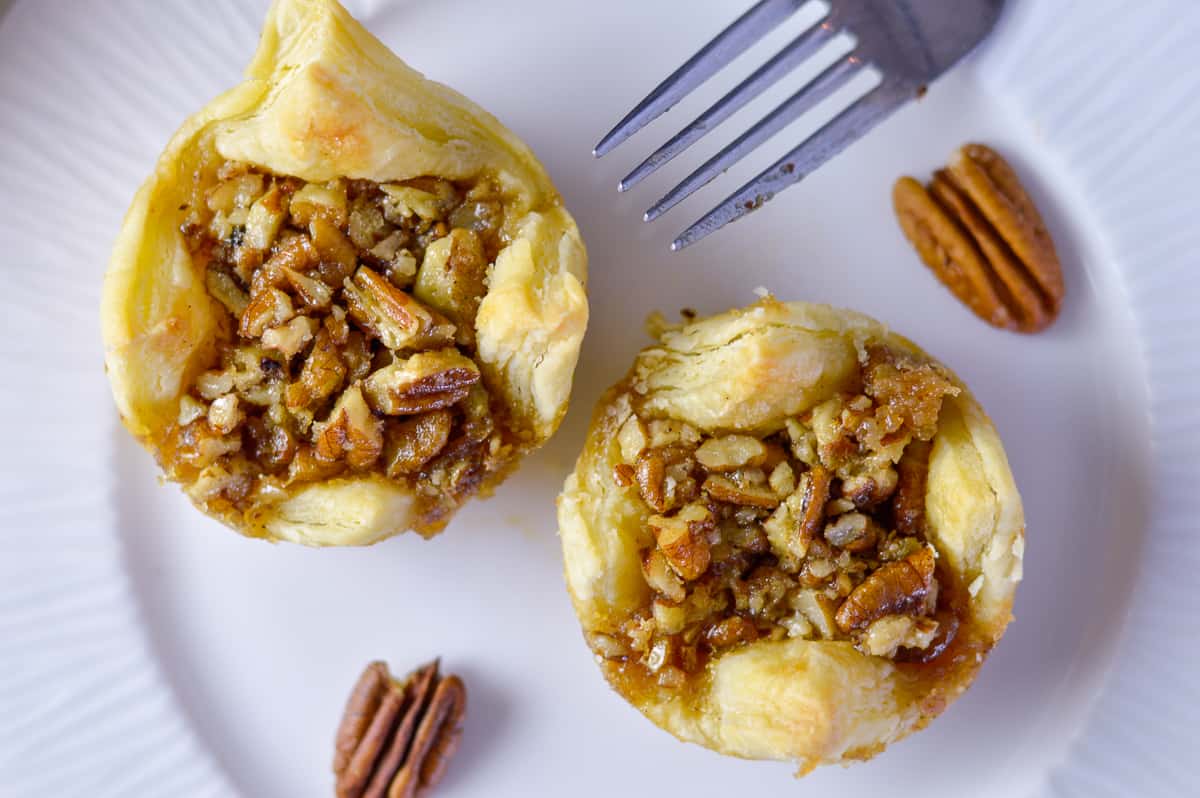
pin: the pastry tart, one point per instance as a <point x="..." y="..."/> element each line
<point x="347" y="299"/>
<point x="791" y="534"/>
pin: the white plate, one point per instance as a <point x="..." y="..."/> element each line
<point x="144" y="650"/>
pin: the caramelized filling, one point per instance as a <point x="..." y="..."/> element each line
<point x="347" y="340"/>
<point x="815" y="531"/>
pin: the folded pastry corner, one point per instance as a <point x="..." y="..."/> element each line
<point x="347" y="299"/>
<point x="791" y="534"/>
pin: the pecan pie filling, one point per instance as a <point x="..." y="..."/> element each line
<point x="347" y="340"/>
<point x="815" y="531"/>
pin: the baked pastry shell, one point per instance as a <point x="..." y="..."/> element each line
<point x="811" y="701"/>
<point x="324" y="99"/>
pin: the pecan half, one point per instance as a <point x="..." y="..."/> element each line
<point x="978" y="230"/>
<point x="896" y="588"/>
<point x="395" y="737"/>
<point x="425" y="381"/>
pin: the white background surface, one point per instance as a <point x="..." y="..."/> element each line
<point x="144" y="650"/>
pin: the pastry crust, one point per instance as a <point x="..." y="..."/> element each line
<point x="812" y="701"/>
<point x="323" y="99"/>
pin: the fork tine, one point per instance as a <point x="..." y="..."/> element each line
<point x="847" y="127"/>
<point x="785" y="61"/>
<point x="792" y="109"/>
<point x="714" y="56"/>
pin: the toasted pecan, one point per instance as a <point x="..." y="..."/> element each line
<point x="978" y="230"/>
<point x="396" y="737"/>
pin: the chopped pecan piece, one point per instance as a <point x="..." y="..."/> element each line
<point x="660" y="577"/>
<point x="724" y="489"/>
<point x="295" y="252"/>
<point x="306" y="466"/>
<point x="730" y="632"/>
<point x="767" y="587"/>
<point x="815" y="486"/>
<point x="288" y="339"/>
<point x="225" y="414"/>
<point x="731" y="452"/>
<point x="683" y="539"/>
<point x="272" y="444"/>
<point x="351" y="431"/>
<point x="396" y="738"/>
<point x="891" y="632"/>
<point x="356" y="354"/>
<point x="782" y="480"/>
<point x="311" y="291"/>
<point x="321" y="375"/>
<point x="650" y="471"/>
<point x="818" y="609"/>
<point x="908" y="503"/>
<point x="392" y="316"/>
<point x="868" y="490"/>
<point x="269" y="308"/>
<point x="425" y="381"/>
<point x="339" y="328"/>
<point x="853" y="532"/>
<point x="897" y="588"/>
<point x="225" y="290"/>
<point x="199" y="445"/>
<point x="337" y="255"/>
<point x="319" y="201"/>
<point x="798" y="520"/>
<point x="910" y="392"/>
<point x="414" y="442"/>
<point x="947" y="629"/>
<point x="451" y="280"/>
<point x="266" y="216"/>
<point x="424" y="198"/>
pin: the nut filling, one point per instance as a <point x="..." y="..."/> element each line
<point x="347" y="345"/>
<point x="815" y="531"/>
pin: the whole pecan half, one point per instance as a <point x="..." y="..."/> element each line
<point x="896" y="588"/>
<point x="425" y="381"/>
<point x="396" y="737"/>
<point x="977" y="229"/>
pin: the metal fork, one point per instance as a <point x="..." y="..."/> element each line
<point x="909" y="42"/>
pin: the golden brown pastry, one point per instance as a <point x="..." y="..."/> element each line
<point x="347" y="299"/>
<point x="791" y="534"/>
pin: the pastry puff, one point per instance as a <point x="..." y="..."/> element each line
<point x="324" y="99"/>
<point x="810" y="701"/>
